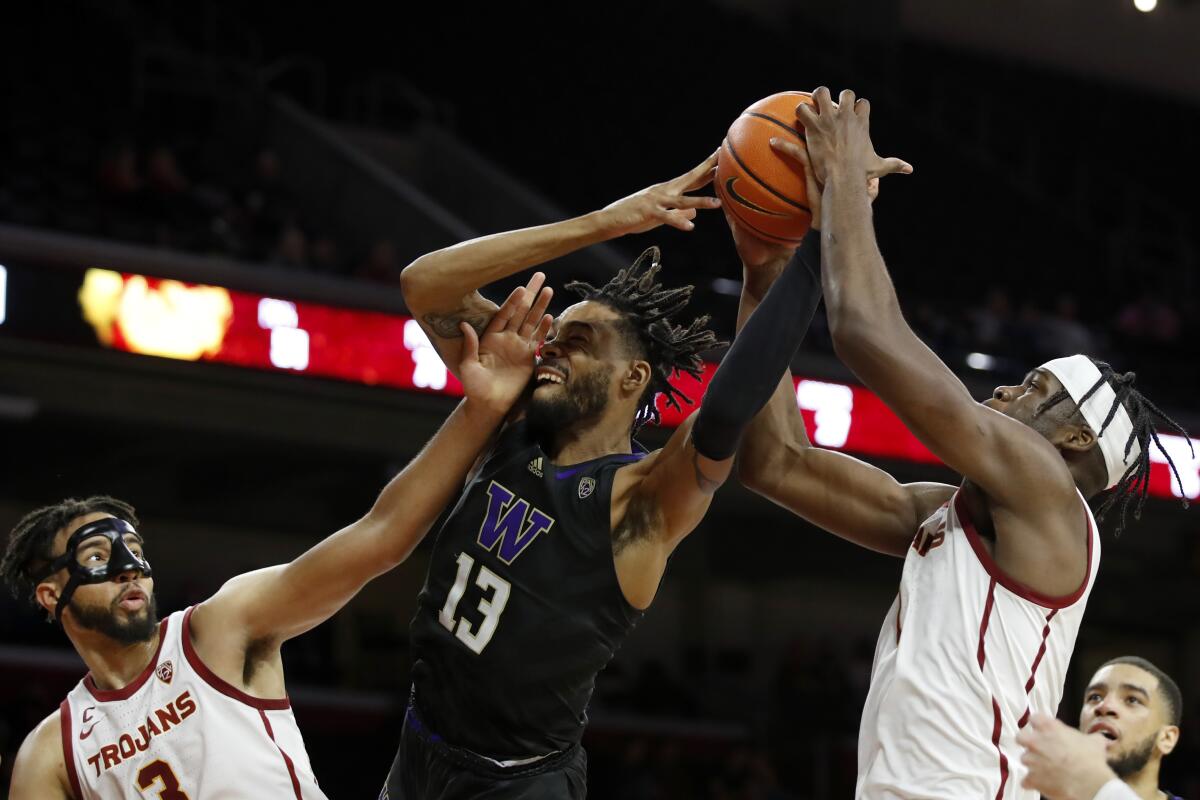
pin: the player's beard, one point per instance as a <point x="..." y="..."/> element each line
<point x="584" y="398"/>
<point x="1133" y="761"/>
<point x="124" y="628"/>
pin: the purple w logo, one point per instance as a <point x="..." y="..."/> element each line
<point x="510" y="523"/>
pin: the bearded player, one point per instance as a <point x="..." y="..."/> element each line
<point x="195" y="705"/>
<point x="1128" y="724"/>
<point x="559" y="541"/>
<point x="1138" y="708"/>
<point x="997" y="570"/>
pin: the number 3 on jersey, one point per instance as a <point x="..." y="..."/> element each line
<point x="491" y="607"/>
<point x="159" y="770"/>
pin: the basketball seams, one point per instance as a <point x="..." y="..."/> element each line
<point x="776" y="121"/>
<point x="733" y="209"/>
<point x="771" y="200"/>
<point x="750" y="174"/>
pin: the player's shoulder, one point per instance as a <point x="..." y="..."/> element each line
<point x="47" y="732"/>
<point x="40" y="767"/>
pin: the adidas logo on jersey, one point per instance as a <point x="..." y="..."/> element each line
<point x="535" y="466"/>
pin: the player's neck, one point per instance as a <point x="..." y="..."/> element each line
<point x="588" y="439"/>
<point x="1145" y="782"/>
<point x="114" y="665"/>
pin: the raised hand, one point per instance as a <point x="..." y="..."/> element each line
<point x="664" y="203"/>
<point x="495" y="368"/>
<point x="1062" y="762"/>
<point x="839" y="138"/>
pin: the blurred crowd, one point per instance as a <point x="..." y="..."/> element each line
<point x="211" y="197"/>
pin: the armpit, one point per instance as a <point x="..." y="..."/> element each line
<point x="642" y="518"/>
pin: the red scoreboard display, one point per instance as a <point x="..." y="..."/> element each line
<point x="173" y="319"/>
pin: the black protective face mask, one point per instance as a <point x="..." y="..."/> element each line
<point x="120" y="559"/>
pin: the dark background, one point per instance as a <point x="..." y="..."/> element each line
<point x="1051" y="204"/>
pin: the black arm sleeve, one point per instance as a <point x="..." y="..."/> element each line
<point x="750" y="371"/>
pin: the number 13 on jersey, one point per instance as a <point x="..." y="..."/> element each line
<point x="491" y="607"/>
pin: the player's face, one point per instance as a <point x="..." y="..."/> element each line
<point x="1021" y="402"/>
<point x="1123" y="704"/>
<point x="121" y="608"/>
<point x="580" y="363"/>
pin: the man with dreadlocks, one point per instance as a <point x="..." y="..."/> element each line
<point x="998" y="570"/>
<point x="561" y="536"/>
<point x="195" y="705"/>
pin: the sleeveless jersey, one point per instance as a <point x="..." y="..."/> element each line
<point x="521" y="607"/>
<point x="965" y="655"/>
<point x="180" y="731"/>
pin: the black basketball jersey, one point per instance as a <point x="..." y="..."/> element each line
<point x="521" y="607"/>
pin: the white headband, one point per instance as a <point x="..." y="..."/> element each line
<point x="1078" y="375"/>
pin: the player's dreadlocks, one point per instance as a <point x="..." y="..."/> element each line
<point x="1136" y="480"/>
<point x="648" y="311"/>
<point x="28" y="551"/>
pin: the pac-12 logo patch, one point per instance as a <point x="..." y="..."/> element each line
<point x="165" y="671"/>
<point x="587" y="485"/>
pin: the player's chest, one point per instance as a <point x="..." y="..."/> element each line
<point x="535" y="516"/>
<point x="121" y="740"/>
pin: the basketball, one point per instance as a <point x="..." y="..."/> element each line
<point x="762" y="189"/>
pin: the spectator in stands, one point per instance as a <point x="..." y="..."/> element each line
<point x="325" y="255"/>
<point x="264" y="207"/>
<point x="118" y="173"/>
<point x="1150" y="319"/>
<point x="1062" y="332"/>
<point x="381" y="264"/>
<point x="163" y="175"/>
<point x="991" y="322"/>
<point x="291" y="250"/>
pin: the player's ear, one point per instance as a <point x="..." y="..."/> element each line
<point x="46" y="594"/>
<point x="1077" y="437"/>
<point x="1168" y="737"/>
<point x="636" y="377"/>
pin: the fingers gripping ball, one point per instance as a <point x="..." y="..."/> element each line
<point x="762" y="189"/>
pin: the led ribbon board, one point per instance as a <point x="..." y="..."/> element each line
<point x="173" y="319"/>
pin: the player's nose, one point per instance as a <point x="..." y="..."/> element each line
<point x="128" y="575"/>
<point x="1003" y="394"/>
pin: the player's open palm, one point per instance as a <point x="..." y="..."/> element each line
<point x="839" y="137"/>
<point x="666" y="203"/>
<point x="496" y="366"/>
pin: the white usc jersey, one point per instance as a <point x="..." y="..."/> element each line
<point x="966" y="654"/>
<point x="178" y="731"/>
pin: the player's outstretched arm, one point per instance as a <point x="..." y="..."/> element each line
<point x="661" y="499"/>
<point x="277" y="603"/>
<point x="837" y="492"/>
<point x="442" y="288"/>
<point x="1014" y="465"/>
<point x="39" y="772"/>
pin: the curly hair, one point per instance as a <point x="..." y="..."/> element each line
<point x="27" y="554"/>
<point x="648" y="311"/>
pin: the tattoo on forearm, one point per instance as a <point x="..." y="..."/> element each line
<point x="706" y="484"/>
<point x="446" y="325"/>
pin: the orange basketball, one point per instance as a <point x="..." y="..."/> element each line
<point x="762" y="189"/>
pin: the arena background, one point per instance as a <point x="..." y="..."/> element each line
<point x="303" y="155"/>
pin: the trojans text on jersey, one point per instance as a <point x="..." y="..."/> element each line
<point x="130" y="743"/>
